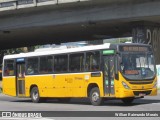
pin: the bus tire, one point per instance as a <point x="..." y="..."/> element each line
<point x="94" y="96"/>
<point x="35" y="95"/>
<point x="127" y="101"/>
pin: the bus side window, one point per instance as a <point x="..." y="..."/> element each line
<point x="6" y="71"/>
<point x="61" y="63"/>
<point x="46" y="63"/>
<point x="30" y="70"/>
<point x="92" y="61"/>
<point x="32" y="66"/>
<point x="76" y="62"/>
<point x="9" y="68"/>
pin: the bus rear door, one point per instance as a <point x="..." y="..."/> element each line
<point x="20" y="77"/>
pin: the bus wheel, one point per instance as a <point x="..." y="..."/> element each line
<point x="94" y="96"/>
<point x="35" y="95"/>
<point x="127" y="101"/>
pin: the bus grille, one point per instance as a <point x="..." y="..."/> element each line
<point x="140" y="82"/>
<point x="137" y="93"/>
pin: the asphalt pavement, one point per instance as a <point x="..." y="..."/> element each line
<point x="68" y="110"/>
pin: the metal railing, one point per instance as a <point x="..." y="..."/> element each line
<point x="17" y="4"/>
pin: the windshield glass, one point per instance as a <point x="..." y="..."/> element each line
<point x="137" y="66"/>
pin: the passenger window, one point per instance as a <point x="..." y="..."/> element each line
<point x="46" y="64"/>
<point x="32" y="66"/>
<point x="61" y="63"/>
<point x="76" y="62"/>
<point x="92" y="61"/>
<point x="9" y="68"/>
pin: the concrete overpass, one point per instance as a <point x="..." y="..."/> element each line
<point x="30" y="22"/>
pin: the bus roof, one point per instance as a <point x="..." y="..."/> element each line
<point x="58" y="51"/>
<point x="50" y="51"/>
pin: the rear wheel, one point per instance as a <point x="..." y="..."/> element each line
<point x="94" y="96"/>
<point x="35" y="95"/>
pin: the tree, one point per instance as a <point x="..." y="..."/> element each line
<point x="16" y="51"/>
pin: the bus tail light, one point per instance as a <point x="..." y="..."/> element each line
<point x="125" y="85"/>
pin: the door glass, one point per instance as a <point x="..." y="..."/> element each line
<point x="21" y="70"/>
<point x="20" y="79"/>
<point x="111" y="64"/>
<point x="109" y="74"/>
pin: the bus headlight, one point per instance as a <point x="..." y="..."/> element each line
<point x="125" y="85"/>
<point x="155" y="85"/>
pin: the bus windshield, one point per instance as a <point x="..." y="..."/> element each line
<point x="138" y="65"/>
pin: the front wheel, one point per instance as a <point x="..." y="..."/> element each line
<point x="94" y="96"/>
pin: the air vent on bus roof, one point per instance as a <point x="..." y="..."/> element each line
<point x="50" y="49"/>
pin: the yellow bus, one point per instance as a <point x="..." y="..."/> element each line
<point x="98" y="72"/>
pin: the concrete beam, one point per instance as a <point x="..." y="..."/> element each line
<point x="10" y="5"/>
<point x="2" y="1"/>
<point x="82" y="20"/>
<point x="83" y="14"/>
<point x="50" y="2"/>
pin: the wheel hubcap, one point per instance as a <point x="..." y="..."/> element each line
<point x="35" y="95"/>
<point x="95" y="96"/>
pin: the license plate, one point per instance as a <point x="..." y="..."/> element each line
<point x="142" y="94"/>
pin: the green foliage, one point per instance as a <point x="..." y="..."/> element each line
<point x="123" y="40"/>
<point x="16" y="51"/>
<point x="118" y="40"/>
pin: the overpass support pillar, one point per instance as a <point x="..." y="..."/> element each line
<point x="148" y="34"/>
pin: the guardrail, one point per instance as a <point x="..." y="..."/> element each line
<point x="17" y="4"/>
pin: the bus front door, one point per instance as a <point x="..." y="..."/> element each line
<point x="20" y="77"/>
<point x="109" y="75"/>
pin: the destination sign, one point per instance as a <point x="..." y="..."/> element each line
<point x="131" y="72"/>
<point x="134" y="49"/>
<point x="20" y="60"/>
